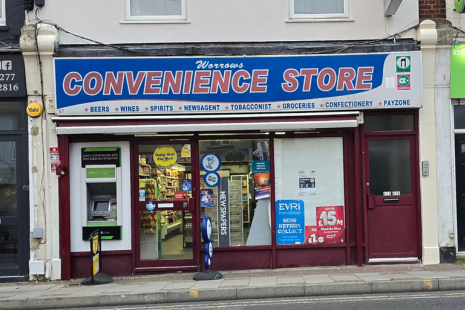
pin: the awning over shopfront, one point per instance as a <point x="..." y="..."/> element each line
<point x="139" y="125"/>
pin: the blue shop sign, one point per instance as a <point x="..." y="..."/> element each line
<point x="290" y="222"/>
<point x="169" y="85"/>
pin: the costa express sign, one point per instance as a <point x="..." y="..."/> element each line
<point x="234" y="84"/>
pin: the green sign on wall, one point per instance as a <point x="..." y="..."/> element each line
<point x="457" y="72"/>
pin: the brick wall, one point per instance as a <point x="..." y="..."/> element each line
<point x="432" y="9"/>
<point x="14" y="14"/>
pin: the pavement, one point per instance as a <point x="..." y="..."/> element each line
<point x="243" y="284"/>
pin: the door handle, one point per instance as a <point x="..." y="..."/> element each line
<point x="190" y="205"/>
<point x="391" y="200"/>
<point x="371" y="201"/>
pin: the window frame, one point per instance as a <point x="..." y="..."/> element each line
<point x="3" y="10"/>
<point x="181" y="17"/>
<point x="293" y="15"/>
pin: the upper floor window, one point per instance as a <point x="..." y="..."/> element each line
<point x="2" y="13"/>
<point x="156" y="9"/>
<point x="307" y="9"/>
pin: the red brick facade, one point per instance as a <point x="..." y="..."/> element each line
<point x="432" y="9"/>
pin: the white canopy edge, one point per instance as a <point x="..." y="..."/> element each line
<point x="206" y="127"/>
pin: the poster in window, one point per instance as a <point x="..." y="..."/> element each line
<point x="206" y="198"/>
<point x="330" y="226"/>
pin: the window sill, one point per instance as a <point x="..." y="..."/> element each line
<point x="4" y="28"/>
<point x="319" y="20"/>
<point x="155" y="22"/>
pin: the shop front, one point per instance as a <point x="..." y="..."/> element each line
<point x="298" y="161"/>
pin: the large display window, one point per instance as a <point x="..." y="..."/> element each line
<point x="235" y="190"/>
<point x="309" y="181"/>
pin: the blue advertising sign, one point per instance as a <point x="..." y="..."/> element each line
<point x="290" y="222"/>
<point x="167" y="85"/>
<point x="260" y="166"/>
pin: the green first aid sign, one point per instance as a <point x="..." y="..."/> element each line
<point x="457" y="72"/>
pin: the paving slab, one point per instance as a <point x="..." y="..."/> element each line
<point x="345" y="278"/>
<point x="452" y="274"/>
<point x="289" y="280"/>
<point x="401" y="276"/>
<point x="262" y="281"/>
<point x="372" y="277"/>
<point x="179" y="286"/>
<point x="121" y="289"/>
<point x="426" y="274"/>
<point x="235" y="283"/>
<point x="207" y="284"/>
<point x="64" y="291"/>
<point x="318" y="278"/>
<point x="151" y="287"/>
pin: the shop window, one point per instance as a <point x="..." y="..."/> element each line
<point x="235" y="191"/>
<point x="309" y="181"/>
<point x="318" y="8"/>
<point x="156" y="9"/>
<point x="386" y="122"/>
<point x="10" y="118"/>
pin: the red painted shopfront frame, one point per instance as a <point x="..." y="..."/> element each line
<point x="352" y="252"/>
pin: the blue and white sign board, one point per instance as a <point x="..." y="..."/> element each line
<point x="260" y="166"/>
<point x="210" y="162"/>
<point x="189" y="85"/>
<point x="212" y="179"/>
<point x="290" y="222"/>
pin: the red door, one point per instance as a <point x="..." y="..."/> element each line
<point x="392" y="200"/>
<point x="163" y="211"/>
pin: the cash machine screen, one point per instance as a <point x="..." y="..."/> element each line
<point x="101" y="206"/>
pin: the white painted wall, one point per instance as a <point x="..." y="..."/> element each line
<point x="224" y="21"/>
<point x="444" y="146"/>
<point x="428" y="146"/>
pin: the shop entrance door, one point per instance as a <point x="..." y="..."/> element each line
<point x="165" y="226"/>
<point x="10" y="211"/>
<point x="392" y="201"/>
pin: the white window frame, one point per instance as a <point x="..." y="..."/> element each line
<point x="2" y="8"/>
<point x="292" y="15"/>
<point x="156" y="17"/>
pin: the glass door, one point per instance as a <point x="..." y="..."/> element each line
<point x="9" y="211"/>
<point x="164" y="223"/>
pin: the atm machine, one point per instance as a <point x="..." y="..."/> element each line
<point x="101" y="199"/>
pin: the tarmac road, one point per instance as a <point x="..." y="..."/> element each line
<point x="404" y="301"/>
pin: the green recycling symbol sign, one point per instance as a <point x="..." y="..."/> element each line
<point x="403" y="82"/>
<point x="459" y="6"/>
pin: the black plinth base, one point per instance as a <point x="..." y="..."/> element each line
<point x="99" y="278"/>
<point x="208" y="275"/>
